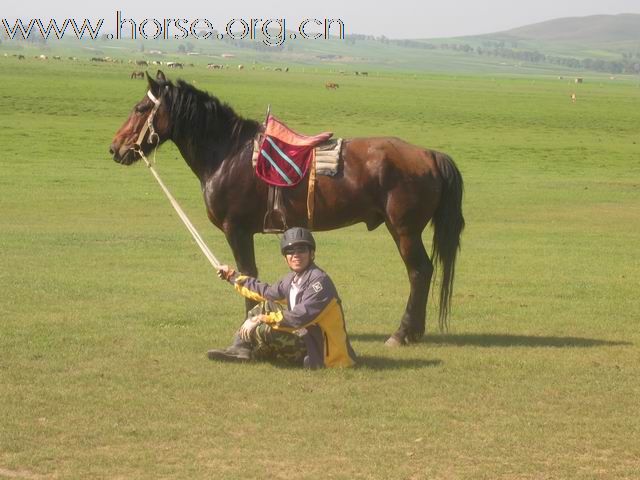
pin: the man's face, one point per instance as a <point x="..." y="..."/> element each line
<point x="298" y="257"/>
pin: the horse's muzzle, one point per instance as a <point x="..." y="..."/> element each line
<point x="122" y="155"/>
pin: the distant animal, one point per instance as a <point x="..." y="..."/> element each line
<point x="142" y="63"/>
<point x="137" y="75"/>
<point x="240" y="67"/>
<point x="20" y="57"/>
<point x="174" y="65"/>
<point x="215" y="66"/>
<point x="573" y="97"/>
<point x="331" y="86"/>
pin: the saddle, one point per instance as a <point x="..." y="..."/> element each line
<point x="282" y="158"/>
<point x="285" y="155"/>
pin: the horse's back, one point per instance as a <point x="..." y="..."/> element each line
<point x="384" y="159"/>
<point x="380" y="177"/>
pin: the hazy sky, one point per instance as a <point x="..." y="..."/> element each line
<point x="395" y="18"/>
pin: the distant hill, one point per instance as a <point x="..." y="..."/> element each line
<point x="594" y="30"/>
<point x="603" y="43"/>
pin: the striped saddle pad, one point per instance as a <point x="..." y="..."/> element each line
<point x="282" y="157"/>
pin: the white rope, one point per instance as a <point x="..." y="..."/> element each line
<point x="194" y="233"/>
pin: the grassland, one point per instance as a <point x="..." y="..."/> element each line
<point x="107" y="307"/>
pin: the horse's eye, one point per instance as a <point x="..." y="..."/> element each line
<point x="140" y="108"/>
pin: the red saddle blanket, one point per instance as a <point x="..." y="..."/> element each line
<point x="285" y="156"/>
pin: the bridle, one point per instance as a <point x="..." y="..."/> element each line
<point x="148" y="126"/>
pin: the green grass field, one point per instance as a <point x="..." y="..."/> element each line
<point x="107" y="307"/>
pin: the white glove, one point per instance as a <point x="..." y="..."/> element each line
<point x="248" y="327"/>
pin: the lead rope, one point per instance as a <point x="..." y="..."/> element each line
<point x="194" y="233"/>
<point x="137" y="148"/>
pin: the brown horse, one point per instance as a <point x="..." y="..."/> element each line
<point x="383" y="180"/>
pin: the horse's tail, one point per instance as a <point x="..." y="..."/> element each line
<point x="448" y="224"/>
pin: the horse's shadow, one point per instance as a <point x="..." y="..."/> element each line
<point x="500" y="340"/>
<point x="385" y="363"/>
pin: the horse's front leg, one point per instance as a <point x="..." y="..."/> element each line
<point x="241" y="243"/>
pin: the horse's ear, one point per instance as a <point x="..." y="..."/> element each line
<point x="153" y="85"/>
<point x="160" y="76"/>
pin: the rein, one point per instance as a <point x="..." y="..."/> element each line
<point x="137" y="148"/>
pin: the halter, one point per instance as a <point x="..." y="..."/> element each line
<point x="148" y="127"/>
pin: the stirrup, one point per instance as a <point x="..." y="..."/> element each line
<point x="274" y="204"/>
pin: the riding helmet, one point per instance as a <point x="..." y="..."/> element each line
<point x="297" y="236"/>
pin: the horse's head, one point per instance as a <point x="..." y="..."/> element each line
<point x="148" y="125"/>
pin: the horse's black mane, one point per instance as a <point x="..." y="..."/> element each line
<point x="199" y="116"/>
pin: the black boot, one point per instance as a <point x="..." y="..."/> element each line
<point x="239" y="351"/>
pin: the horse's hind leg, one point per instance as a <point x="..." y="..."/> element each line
<point x="420" y="271"/>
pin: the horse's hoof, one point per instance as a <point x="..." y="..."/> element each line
<point x="402" y="340"/>
<point x="413" y="338"/>
<point x="393" y="342"/>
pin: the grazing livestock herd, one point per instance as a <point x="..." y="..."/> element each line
<point x="40" y="57"/>
<point x="139" y="74"/>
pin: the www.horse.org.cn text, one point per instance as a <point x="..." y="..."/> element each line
<point x="271" y="31"/>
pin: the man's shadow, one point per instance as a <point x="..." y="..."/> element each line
<point x="500" y="340"/>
